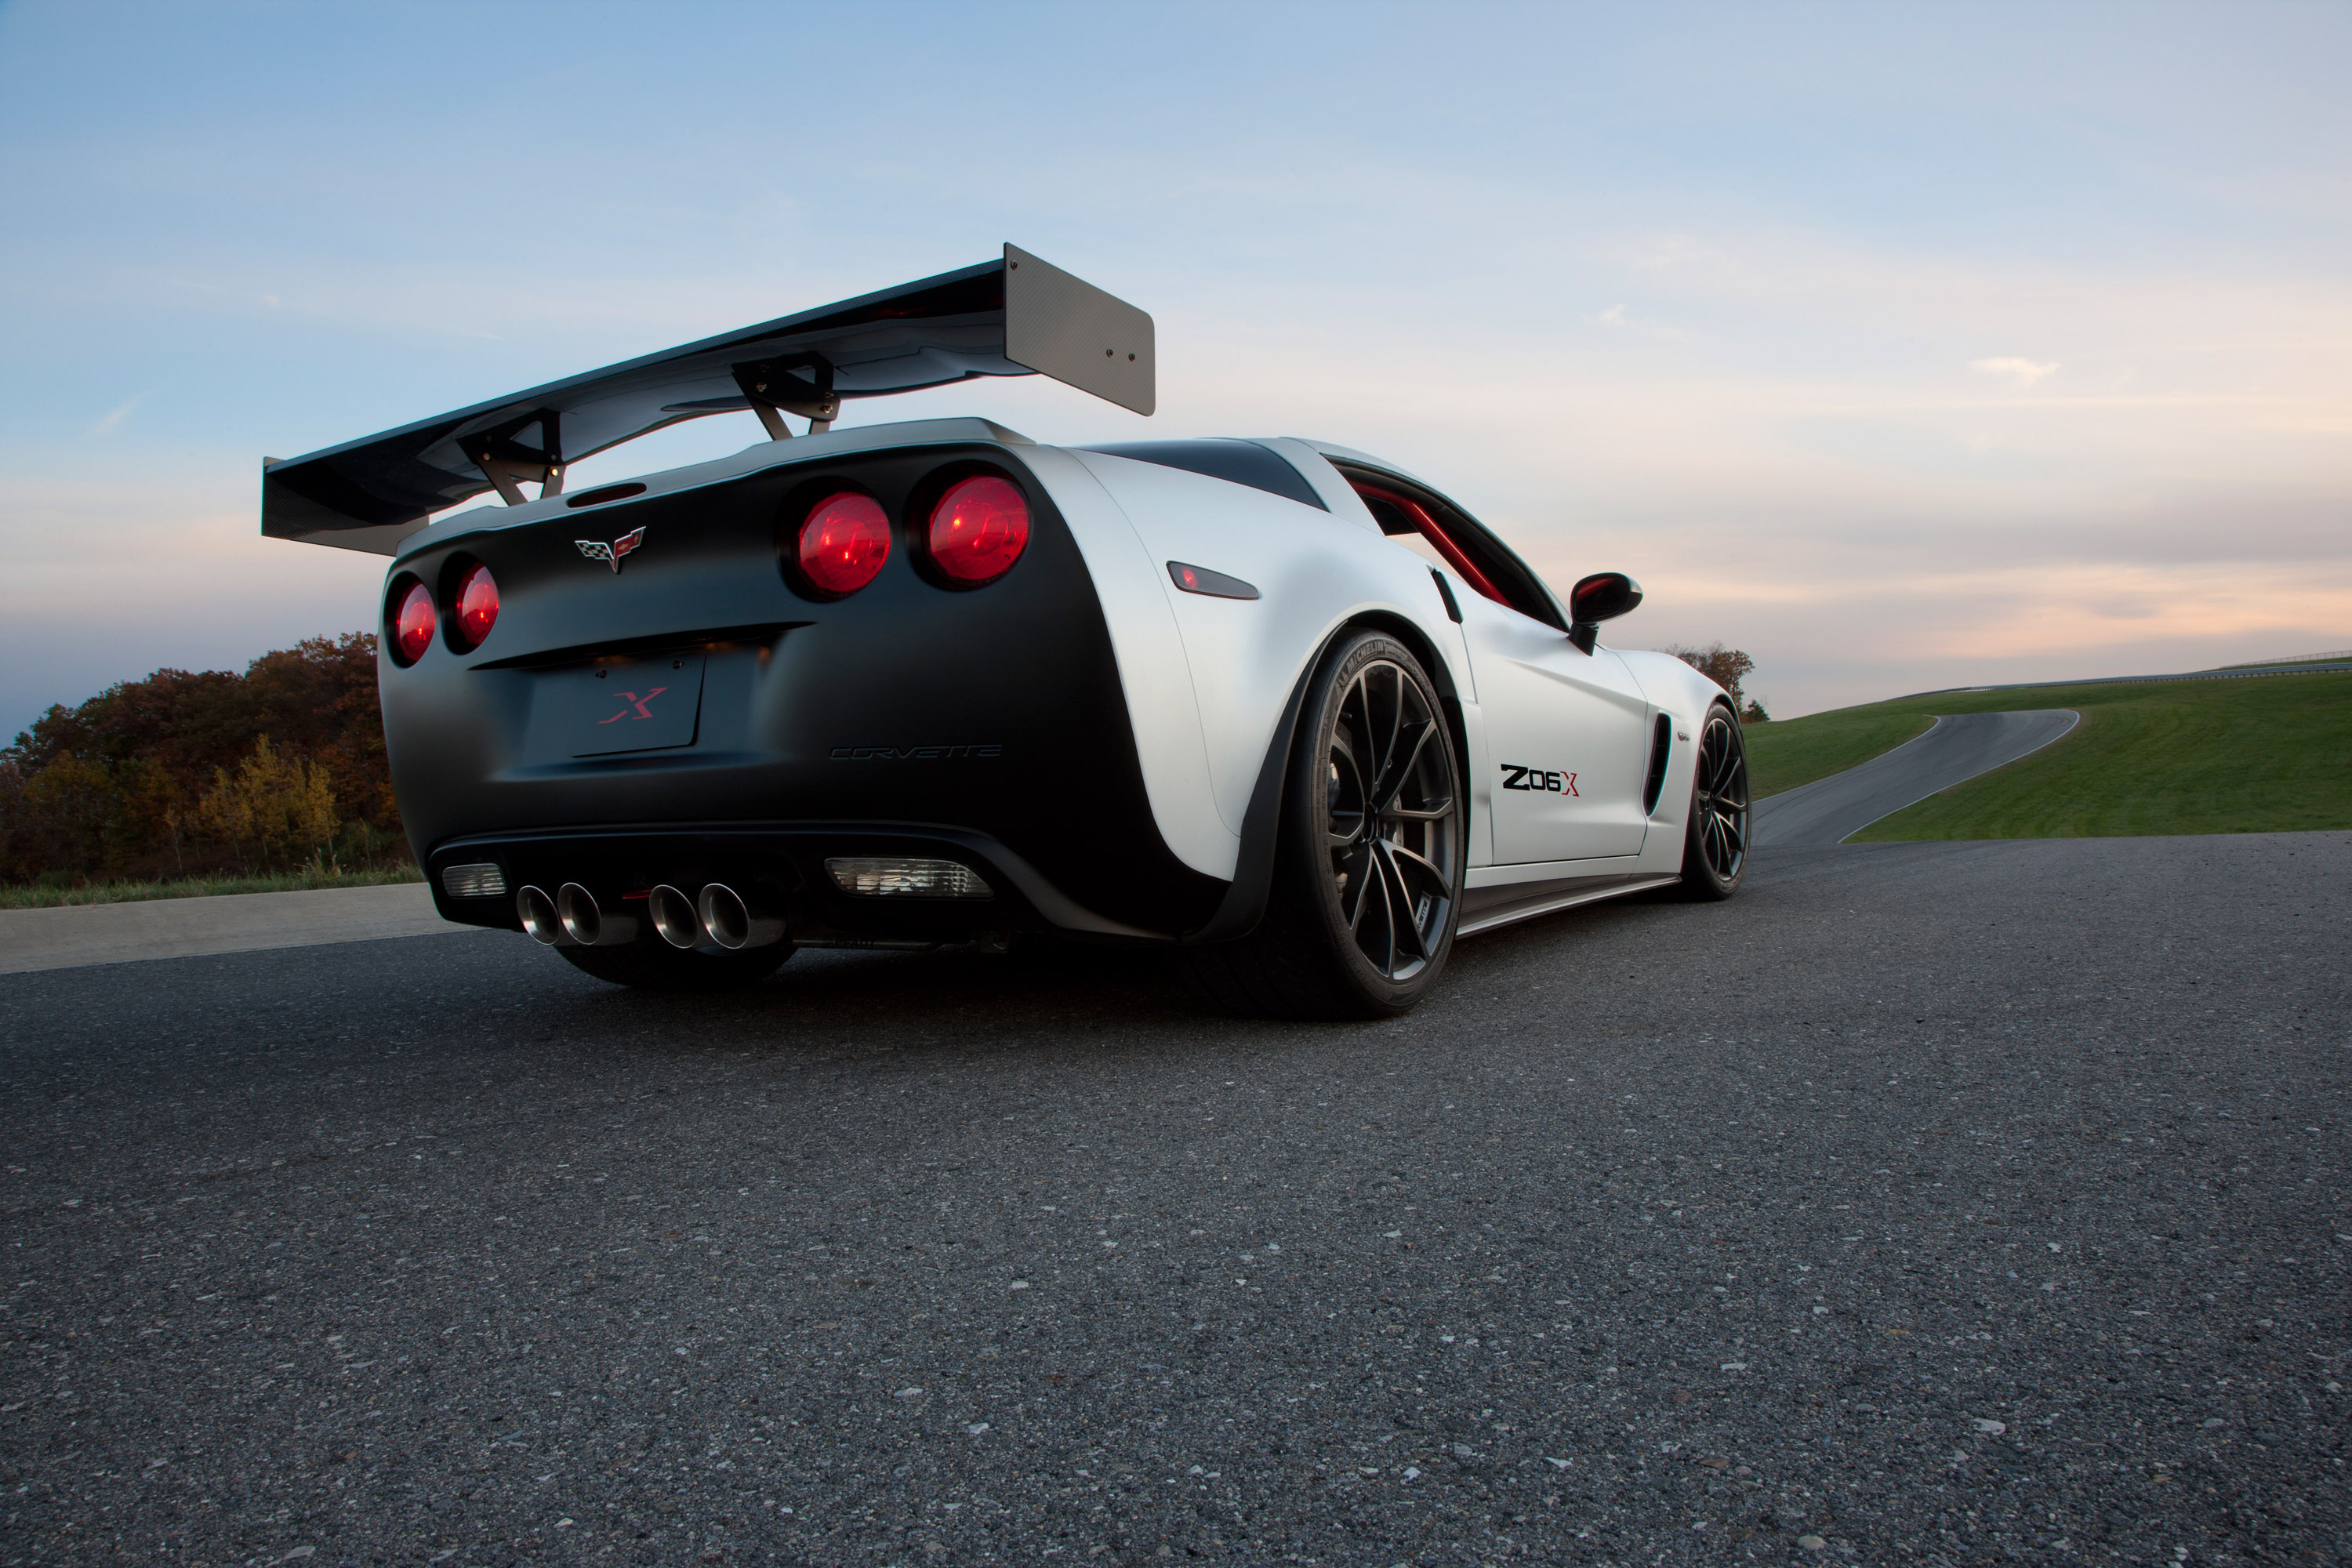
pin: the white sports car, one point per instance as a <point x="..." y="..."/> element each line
<point x="1273" y="702"/>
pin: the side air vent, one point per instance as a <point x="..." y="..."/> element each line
<point x="1660" y="743"/>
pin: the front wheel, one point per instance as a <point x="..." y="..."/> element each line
<point x="1715" y="845"/>
<point x="1367" y="885"/>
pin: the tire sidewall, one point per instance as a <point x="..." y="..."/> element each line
<point x="1697" y="875"/>
<point x="1306" y="811"/>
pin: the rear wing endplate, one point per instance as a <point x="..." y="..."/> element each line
<point x="1014" y="316"/>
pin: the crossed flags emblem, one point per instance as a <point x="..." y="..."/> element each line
<point x="597" y="550"/>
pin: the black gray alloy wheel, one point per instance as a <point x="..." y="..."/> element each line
<point x="1714" y="852"/>
<point x="1366" y="885"/>
<point x="1388" y="810"/>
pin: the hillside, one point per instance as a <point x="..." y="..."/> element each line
<point x="2259" y="754"/>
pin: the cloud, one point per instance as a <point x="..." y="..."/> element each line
<point x="115" y="416"/>
<point x="2024" y="371"/>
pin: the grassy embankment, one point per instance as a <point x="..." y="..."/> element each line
<point x="2260" y="755"/>
<point x="39" y="898"/>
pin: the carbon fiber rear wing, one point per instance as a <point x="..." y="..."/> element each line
<point x="1015" y="316"/>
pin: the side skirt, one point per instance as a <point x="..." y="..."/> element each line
<point x="1484" y="909"/>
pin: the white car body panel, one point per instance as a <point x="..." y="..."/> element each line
<point x="1521" y="684"/>
<point x="1207" y="680"/>
<point x="1315" y="571"/>
<point x="1162" y="685"/>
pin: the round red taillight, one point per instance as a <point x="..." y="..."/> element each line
<point x="978" y="530"/>
<point x="412" y="624"/>
<point x="477" y="606"/>
<point x="843" y="542"/>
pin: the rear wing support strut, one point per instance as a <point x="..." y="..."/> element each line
<point x="773" y="389"/>
<point x="507" y="462"/>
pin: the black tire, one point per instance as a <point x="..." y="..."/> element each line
<point x="657" y="966"/>
<point x="1714" y="844"/>
<point x="1369" y="858"/>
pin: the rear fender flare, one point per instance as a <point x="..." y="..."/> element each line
<point x="1244" y="904"/>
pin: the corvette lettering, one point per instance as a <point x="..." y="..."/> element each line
<point x="610" y="555"/>
<point x="910" y="753"/>
<point x="1537" y="779"/>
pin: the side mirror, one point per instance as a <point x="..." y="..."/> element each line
<point x="1604" y="596"/>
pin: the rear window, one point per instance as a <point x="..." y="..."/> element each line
<point x="1239" y="462"/>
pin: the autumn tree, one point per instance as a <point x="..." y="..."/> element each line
<point x="1726" y="667"/>
<point x="277" y="805"/>
<point x="117" y="785"/>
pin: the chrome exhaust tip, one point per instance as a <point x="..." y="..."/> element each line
<point x="729" y="923"/>
<point x="674" y="915"/>
<point x="586" y="924"/>
<point x="540" y="918"/>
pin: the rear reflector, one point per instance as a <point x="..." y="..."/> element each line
<point x="483" y="881"/>
<point x="1216" y="584"/>
<point x="893" y="878"/>
<point x="843" y="543"/>
<point x="978" y="530"/>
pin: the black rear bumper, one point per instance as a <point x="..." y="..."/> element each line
<point x="780" y="867"/>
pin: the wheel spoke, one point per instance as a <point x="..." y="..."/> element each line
<point x="1392" y="781"/>
<point x="1438" y="813"/>
<point x="1384" y="957"/>
<point x="1404" y="929"/>
<point x="1354" y="871"/>
<point x="1382" y="740"/>
<point x="1410" y="866"/>
<point x="1346" y="800"/>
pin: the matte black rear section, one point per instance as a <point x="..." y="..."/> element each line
<point x="698" y="715"/>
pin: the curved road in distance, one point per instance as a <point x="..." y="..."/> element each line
<point x="1958" y="747"/>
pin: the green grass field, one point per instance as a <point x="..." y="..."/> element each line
<point x="2260" y="755"/>
<point x="23" y="896"/>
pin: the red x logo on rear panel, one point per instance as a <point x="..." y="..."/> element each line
<point x="636" y="701"/>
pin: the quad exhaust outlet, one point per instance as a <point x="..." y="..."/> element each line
<point x="732" y="923"/>
<point x="540" y="918"/>
<point x="719" y="917"/>
<point x="587" y="925"/>
<point x="672" y="913"/>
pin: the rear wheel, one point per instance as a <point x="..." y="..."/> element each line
<point x="1367" y="868"/>
<point x="1715" y="845"/>
<point x="657" y="966"/>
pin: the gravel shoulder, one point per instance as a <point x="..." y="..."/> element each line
<point x="1929" y="1202"/>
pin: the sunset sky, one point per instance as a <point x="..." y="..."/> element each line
<point x="1903" y="347"/>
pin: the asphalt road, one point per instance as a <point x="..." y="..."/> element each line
<point x="1936" y="1203"/>
<point x="1957" y="748"/>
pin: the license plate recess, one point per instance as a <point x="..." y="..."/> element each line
<point x="646" y="704"/>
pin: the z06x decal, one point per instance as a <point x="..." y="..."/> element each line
<point x="1517" y="777"/>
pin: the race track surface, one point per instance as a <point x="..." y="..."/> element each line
<point x="1929" y="1204"/>
<point x="1958" y="747"/>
